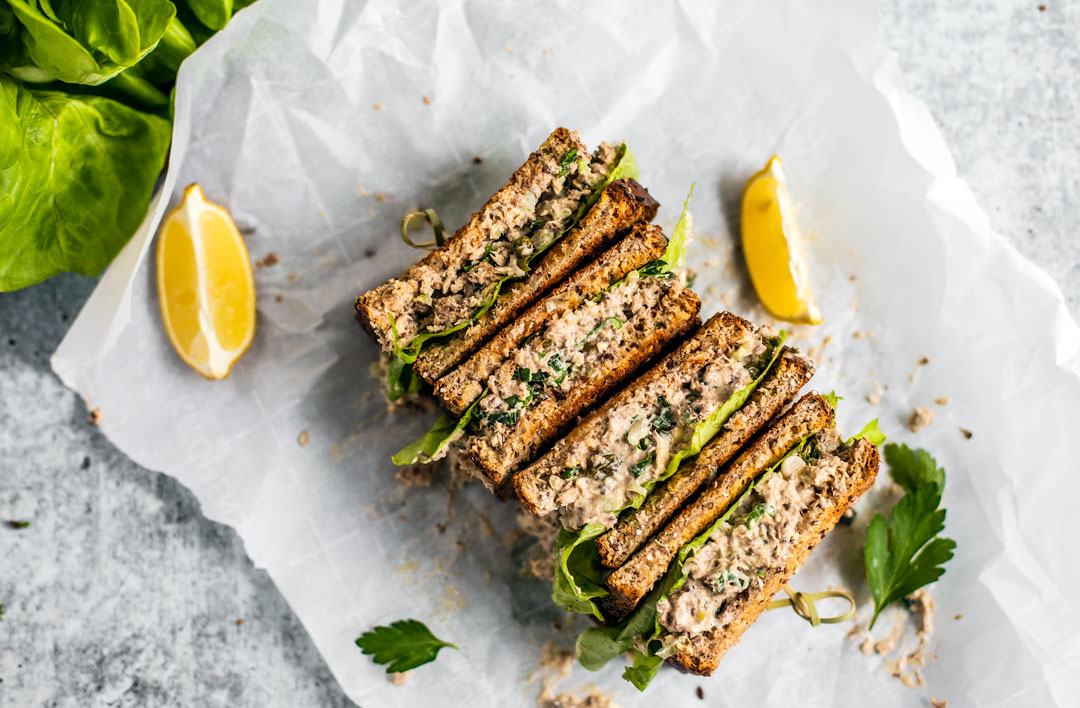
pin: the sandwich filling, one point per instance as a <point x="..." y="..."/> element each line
<point x="573" y="347"/>
<point x="437" y="297"/>
<point x="605" y="472"/>
<point x="755" y="540"/>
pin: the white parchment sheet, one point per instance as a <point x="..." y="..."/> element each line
<point x="308" y="121"/>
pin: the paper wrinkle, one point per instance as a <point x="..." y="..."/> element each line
<point x="276" y="119"/>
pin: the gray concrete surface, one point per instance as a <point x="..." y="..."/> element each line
<point x="122" y="594"/>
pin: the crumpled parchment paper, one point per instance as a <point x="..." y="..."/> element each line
<point x="308" y="120"/>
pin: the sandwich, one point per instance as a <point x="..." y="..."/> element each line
<point x="475" y="283"/>
<point x="618" y="453"/>
<point x="636" y="526"/>
<point x="522" y="389"/>
<point x="742" y="540"/>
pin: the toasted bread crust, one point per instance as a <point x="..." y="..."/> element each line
<point x="550" y="152"/>
<point x="546" y="420"/>
<point x="780" y="385"/>
<point x="703" y="653"/>
<point x="459" y="388"/>
<point x="631" y="582"/>
<point x="622" y="204"/>
<point x="684" y="362"/>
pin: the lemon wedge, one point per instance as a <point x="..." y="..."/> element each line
<point x="205" y="285"/>
<point x="773" y="246"/>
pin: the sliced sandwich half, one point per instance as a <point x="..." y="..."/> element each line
<point x="463" y="279"/>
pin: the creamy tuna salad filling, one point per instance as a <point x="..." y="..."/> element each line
<point x="438" y="297"/>
<point x="603" y="473"/>
<point x="573" y="347"/>
<point x="756" y="539"/>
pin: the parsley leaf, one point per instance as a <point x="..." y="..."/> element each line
<point x="638" y="467"/>
<point x="18" y="524"/>
<point x="662" y="421"/>
<point x="567" y="159"/>
<point x="904" y="552"/>
<point x="403" y="645"/>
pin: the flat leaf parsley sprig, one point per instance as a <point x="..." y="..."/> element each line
<point x="403" y="645"/>
<point x="905" y="552"/>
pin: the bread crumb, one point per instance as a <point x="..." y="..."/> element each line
<point x="400" y="679"/>
<point x="936" y="703"/>
<point x="594" y="699"/>
<point x="857" y="334"/>
<point x="559" y="661"/>
<point x="378" y="106"/>
<point x="924" y="360"/>
<point x="921" y="418"/>
<point x="427" y="100"/>
<point x="966" y="433"/>
<point x="303" y="438"/>
<point x="508" y="49"/>
<point x="700" y="692"/>
<point x="959" y="616"/>
<point x="380" y="197"/>
<point x="873" y="399"/>
<point x="290" y="277"/>
<point x="239" y="622"/>
<point x="942" y="401"/>
<point x="851" y="278"/>
<point x="94" y="417"/>
<point x="279" y="297"/>
<point x="478" y="160"/>
<point x="270" y="259"/>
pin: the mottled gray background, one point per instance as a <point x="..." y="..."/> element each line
<point x="122" y="594"/>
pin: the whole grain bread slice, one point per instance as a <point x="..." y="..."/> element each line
<point x="642" y="338"/>
<point x="459" y="388"/>
<point x="631" y="582"/>
<point x="702" y="653"/>
<point x="636" y="526"/>
<point x="683" y="363"/>
<point x="621" y="205"/>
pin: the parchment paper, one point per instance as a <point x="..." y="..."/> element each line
<point x="308" y="121"/>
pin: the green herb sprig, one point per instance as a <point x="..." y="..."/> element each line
<point x="403" y="646"/>
<point x="904" y="552"/>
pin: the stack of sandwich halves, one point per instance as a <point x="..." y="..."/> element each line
<point x="570" y="355"/>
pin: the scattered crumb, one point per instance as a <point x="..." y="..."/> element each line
<point x="279" y="297"/>
<point x="700" y="692"/>
<point x="508" y="49"/>
<point x="94" y="417"/>
<point x="548" y="51"/>
<point x="290" y="277"/>
<point x="1042" y="8"/>
<point x="418" y="475"/>
<point x="873" y="399"/>
<point x="966" y="433"/>
<point x="303" y="438"/>
<point x="270" y="259"/>
<point x="361" y="191"/>
<point x="427" y="100"/>
<point x="911" y="377"/>
<point x="477" y="160"/>
<point x="400" y="679"/>
<point x="921" y="418"/>
<point x="857" y="334"/>
<point x="959" y="616"/>
<point x="593" y="699"/>
<point x="943" y="401"/>
<point x="851" y="278"/>
<point x="938" y="703"/>
<point x="380" y="197"/>
<point x="18" y="524"/>
<point x="378" y="106"/>
<point x="239" y="622"/>
<point x="559" y="661"/>
<point x="924" y="360"/>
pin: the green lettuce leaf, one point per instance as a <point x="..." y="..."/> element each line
<point x="644" y="669"/>
<point x="871" y="431"/>
<point x="212" y="13"/>
<point x="578" y="571"/>
<point x="434" y="441"/>
<point x="76" y="176"/>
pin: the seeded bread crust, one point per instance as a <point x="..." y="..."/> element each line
<point x="702" y="653"/>
<point x="543" y="422"/>
<point x="371" y="307"/>
<point x="622" y="204"/>
<point x="684" y="362"/>
<point x="631" y="582"/>
<point x="458" y="389"/>
<point x="636" y="526"/>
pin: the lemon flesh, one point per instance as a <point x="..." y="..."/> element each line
<point x="773" y="247"/>
<point x="205" y="285"/>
